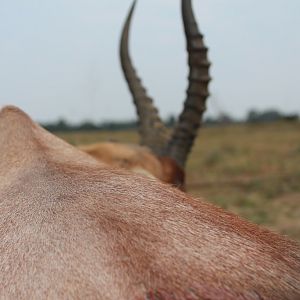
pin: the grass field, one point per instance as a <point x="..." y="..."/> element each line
<point x="252" y="170"/>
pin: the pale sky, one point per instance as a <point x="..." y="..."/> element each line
<point x="59" y="58"/>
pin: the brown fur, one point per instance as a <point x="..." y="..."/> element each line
<point x="172" y="173"/>
<point x="132" y="157"/>
<point x="138" y="159"/>
<point x="71" y="227"/>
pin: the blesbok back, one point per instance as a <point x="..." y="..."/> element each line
<point x="71" y="227"/>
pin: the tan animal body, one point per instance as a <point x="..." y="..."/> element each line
<point x="169" y="149"/>
<point x="73" y="228"/>
<point x="138" y="159"/>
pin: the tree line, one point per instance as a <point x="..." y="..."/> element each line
<point x="253" y="116"/>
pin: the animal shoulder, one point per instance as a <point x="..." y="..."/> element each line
<point x="72" y="227"/>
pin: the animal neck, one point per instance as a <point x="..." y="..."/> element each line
<point x="172" y="172"/>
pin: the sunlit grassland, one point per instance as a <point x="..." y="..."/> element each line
<point x="252" y="170"/>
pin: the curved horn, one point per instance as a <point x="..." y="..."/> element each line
<point x="189" y="121"/>
<point x="153" y="132"/>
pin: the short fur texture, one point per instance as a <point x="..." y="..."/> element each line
<point x="131" y="157"/>
<point x="72" y="228"/>
<point x="138" y="159"/>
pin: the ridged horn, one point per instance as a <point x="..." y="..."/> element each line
<point x="189" y="121"/>
<point x="153" y="132"/>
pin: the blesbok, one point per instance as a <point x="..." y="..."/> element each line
<point x="167" y="152"/>
<point x="72" y="227"/>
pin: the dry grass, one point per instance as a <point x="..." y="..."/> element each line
<point x="252" y="170"/>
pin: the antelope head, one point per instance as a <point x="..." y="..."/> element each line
<point x="172" y="149"/>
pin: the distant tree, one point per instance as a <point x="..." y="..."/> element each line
<point x="88" y="126"/>
<point x="60" y="125"/>
<point x="225" y="119"/>
<point x="291" y="117"/>
<point x="253" y="116"/>
<point x="265" y="116"/>
<point x="171" y="120"/>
